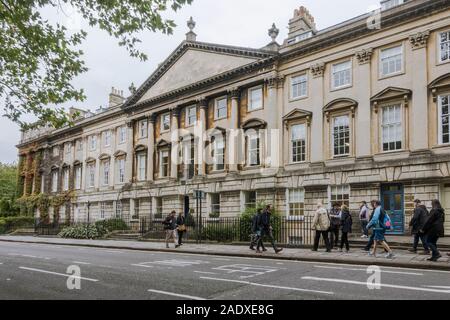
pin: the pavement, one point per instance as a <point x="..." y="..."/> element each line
<point x="402" y="259"/>
<point x="45" y="271"/>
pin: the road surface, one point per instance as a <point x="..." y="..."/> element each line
<point x="40" y="271"/>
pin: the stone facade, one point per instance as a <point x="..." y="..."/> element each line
<point x="368" y="103"/>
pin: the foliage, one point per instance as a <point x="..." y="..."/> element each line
<point x="8" y="224"/>
<point x="82" y="232"/>
<point x="246" y="218"/>
<point x="8" y="188"/>
<point x="112" y="225"/>
<point x="93" y="231"/>
<point x="39" y="60"/>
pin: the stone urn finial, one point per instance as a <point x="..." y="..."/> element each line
<point x="274" y="32"/>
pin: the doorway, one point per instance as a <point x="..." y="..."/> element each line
<point x="445" y="195"/>
<point x="392" y="201"/>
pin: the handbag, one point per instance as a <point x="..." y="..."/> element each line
<point x="182" y="228"/>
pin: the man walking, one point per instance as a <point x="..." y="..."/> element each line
<point x="170" y="226"/>
<point x="335" y="217"/>
<point x="416" y="224"/>
<point x="364" y="219"/>
<point x="321" y="225"/>
<point x="265" y="229"/>
<point x="256" y="234"/>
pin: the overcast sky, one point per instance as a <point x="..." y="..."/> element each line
<point x="234" y="22"/>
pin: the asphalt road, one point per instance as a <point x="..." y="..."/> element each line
<point x="38" y="271"/>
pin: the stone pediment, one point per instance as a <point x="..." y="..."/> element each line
<point x="120" y="153"/>
<point x="254" y="124"/>
<point x="297" y="114"/>
<point x="439" y="84"/>
<point x="192" y="62"/>
<point x="339" y="104"/>
<point x="391" y="93"/>
<point x="104" y="157"/>
<point x="162" y="143"/>
<point x="140" y="148"/>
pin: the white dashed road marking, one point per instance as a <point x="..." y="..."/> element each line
<point x="249" y="270"/>
<point x="176" y="263"/>
<point x="176" y="295"/>
<point x="362" y="269"/>
<point x="58" y="274"/>
<point x="382" y="285"/>
<point x="204" y="272"/>
<point x="80" y="262"/>
<point x="267" y="285"/>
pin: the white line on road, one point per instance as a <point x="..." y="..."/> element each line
<point x="438" y="287"/>
<point x="176" y="295"/>
<point x="221" y="259"/>
<point x="267" y="285"/>
<point x="362" y="269"/>
<point x="80" y="262"/>
<point x="381" y="284"/>
<point x="58" y="274"/>
<point x="142" y="265"/>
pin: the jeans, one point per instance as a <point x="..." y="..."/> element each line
<point x="324" y="234"/>
<point x="334" y="237"/>
<point x="180" y="237"/>
<point x="364" y="224"/>
<point x="344" y="240"/>
<point x="421" y="237"/>
<point x="171" y="234"/>
<point x="432" y="244"/>
<point x="269" y="234"/>
<point x="370" y="242"/>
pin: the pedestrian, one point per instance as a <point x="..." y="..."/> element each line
<point x="434" y="229"/>
<point x="255" y="233"/>
<point x="321" y="224"/>
<point x="170" y="226"/>
<point x="335" y="218"/>
<point x="372" y="236"/>
<point x="181" y="228"/>
<point x="364" y="219"/>
<point x="380" y="222"/>
<point x="265" y="229"/>
<point x="416" y="224"/>
<point x="346" y="227"/>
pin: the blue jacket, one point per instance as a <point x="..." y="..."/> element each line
<point x="375" y="222"/>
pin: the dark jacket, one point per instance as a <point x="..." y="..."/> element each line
<point x="346" y="222"/>
<point x="263" y="221"/>
<point x="180" y="220"/>
<point x="434" y="226"/>
<point x="255" y="223"/>
<point x="170" y="223"/>
<point x="335" y="218"/>
<point x="418" y="220"/>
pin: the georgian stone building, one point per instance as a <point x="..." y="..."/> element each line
<point x="353" y="112"/>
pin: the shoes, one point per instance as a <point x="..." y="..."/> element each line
<point x="347" y="251"/>
<point x="252" y="248"/>
<point x="314" y="250"/>
<point x="278" y="250"/>
<point x="364" y="236"/>
<point x="167" y="246"/>
<point x="258" y="251"/>
<point x="177" y="246"/>
<point x="329" y="250"/>
<point x="389" y="256"/>
<point x="264" y="250"/>
<point x="434" y="259"/>
<point x="413" y="250"/>
<point x="370" y="254"/>
<point x="426" y="252"/>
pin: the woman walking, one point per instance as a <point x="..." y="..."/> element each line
<point x="378" y="223"/>
<point x="434" y="229"/>
<point x="181" y="228"/>
<point x="346" y="227"/>
<point x="321" y="224"/>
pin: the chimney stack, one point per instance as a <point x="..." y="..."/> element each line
<point x="116" y="98"/>
<point x="302" y="22"/>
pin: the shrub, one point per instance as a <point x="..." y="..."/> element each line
<point x="8" y="224"/>
<point x="219" y="233"/>
<point x="82" y="232"/>
<point x="112" y="225"/>
<point x="246" y="218"/>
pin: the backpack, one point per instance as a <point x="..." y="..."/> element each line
<point x="385" y="221"/>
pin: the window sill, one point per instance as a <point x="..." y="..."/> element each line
<point x="292" y="99"/>
<point x="347" y="86"/>
<point x="391" y="75"/>
<point x="222" y="118"/>
<point x="440" y="63"/>
<point x="253" y="110"/>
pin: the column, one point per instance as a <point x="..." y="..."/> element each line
<point x="317" y="148"/>
<point x="232" y="143"/>
<point x="419" y="106"/>
<point x="272" y="141"/>
<point x="175" y="143"/>
<point x="201" y="128"/>
<point x="129" y="162"/>
<point x="363" y="92"/>
<point x="151" y="148"/>
<point x="84" y="176"/>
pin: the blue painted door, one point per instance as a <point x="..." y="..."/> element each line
<point x="392" y="200"/>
